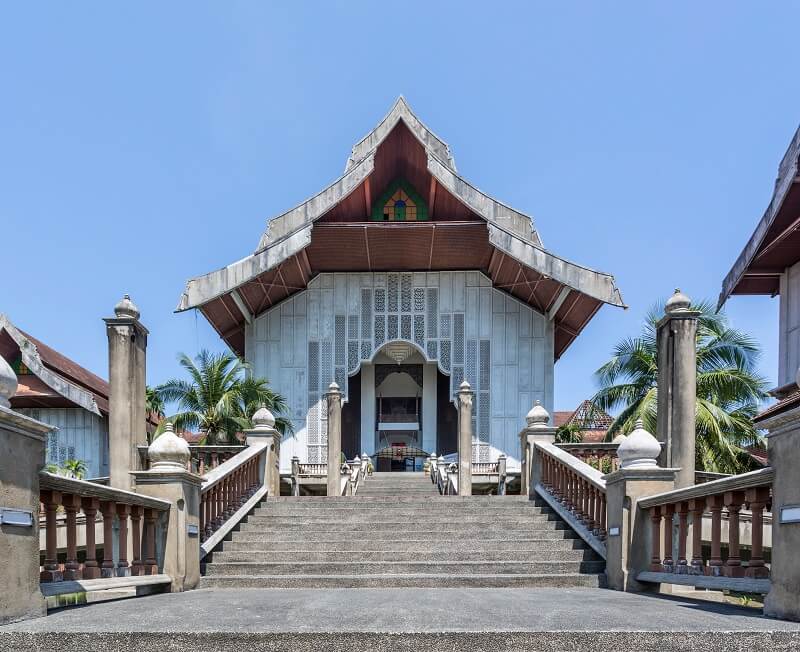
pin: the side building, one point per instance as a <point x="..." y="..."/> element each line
<point x="399" y="281"/>
<point x="58" y="391"/>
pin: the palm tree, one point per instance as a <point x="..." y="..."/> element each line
<point x="729" y="391"/>
<point x="219" y="399"/>
<point x="154" y="404"/>
<point x="569" y="433"/>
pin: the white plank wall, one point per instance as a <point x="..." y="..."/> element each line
<point x="456" y="319"/>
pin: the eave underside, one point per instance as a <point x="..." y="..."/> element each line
<point x="381" y="247"/>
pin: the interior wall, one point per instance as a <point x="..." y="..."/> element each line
<point x="446" y="418"/>
<point x="351" y="418"/>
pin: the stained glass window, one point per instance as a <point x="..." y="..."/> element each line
<point x="19" y="367"/>
<point x="400" y="208"/>
<point x="400" y="203"/>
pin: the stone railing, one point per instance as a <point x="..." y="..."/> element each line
<point x="129" y="524"/>
<point x="575" y="490"/>
<point x="601" y="455"/>
<point x="203" y="458"/>
<point x="229" y="492"/>
<point x="482" y="472"/>
<point x="688" y="506"/>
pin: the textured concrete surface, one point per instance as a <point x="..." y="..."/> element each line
<point x="400" y="619"/>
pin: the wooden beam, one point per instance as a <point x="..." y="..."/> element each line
<point x="368" y="197"/>
<point x="240" y="304"/>
<point x="779" y="239"/>
<point x="431" y="197"/>
<point x="551" y="313"/>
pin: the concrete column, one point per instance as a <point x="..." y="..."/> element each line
<point x="464" y="439"/>
<point x="22" y="449"/>
<point x="628" y="544"/>
<point x="677" y="386"/>
<point x="334" y="439"/>
<point x="264" y="431"/>
<point x="783" y="600"/>
<point x="127" y="348"/>
<point x="537" y="430"/>
<point x="367" y="407"/>
<point x="169" y="480"/>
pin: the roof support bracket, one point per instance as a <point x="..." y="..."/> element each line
<point x="237" y="299"/>
<point x="558" y="302"/>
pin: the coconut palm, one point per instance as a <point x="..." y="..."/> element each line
<point x="729" y="391"/>
<point x="569" y="433"/>
<point x="154" y="404"/>
<point x="218" y="399"/>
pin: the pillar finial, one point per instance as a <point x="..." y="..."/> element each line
<point x="263" y="419"/>
<point x="168" y="452"/>
<point x="126" y="308"/>
<point x="640" y="450"/>
<point x="678" y="302"/>
<point x="538" y="417"/>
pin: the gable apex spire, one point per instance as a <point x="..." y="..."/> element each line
<point x="401" y="110"/>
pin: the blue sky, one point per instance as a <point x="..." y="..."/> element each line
<point x="146" y="143"/>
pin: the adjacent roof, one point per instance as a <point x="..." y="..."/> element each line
<point x="467" y="229"/>
<point x="775" y="243"/>
<point x="591" y="420"/>
<point x="55" y="380"/>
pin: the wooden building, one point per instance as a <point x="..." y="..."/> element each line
<point x="398" y="281"/>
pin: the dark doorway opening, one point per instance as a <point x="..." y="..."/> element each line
<point x="351" y="418"/>
<point x="446" y="417"/>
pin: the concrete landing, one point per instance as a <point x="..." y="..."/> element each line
<point x="403" y="619"/>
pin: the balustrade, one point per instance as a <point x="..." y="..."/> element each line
<point x="749" y="491"/>
<point x="203" y="458"/>
<point x="74" y="497"/>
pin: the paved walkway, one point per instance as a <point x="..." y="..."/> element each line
<point x="399" y="619"/>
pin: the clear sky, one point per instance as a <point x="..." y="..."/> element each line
<point x="145" y="143"/>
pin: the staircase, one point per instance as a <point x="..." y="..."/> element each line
<point x="398" y="532"/>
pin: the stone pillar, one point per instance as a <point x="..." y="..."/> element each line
<point x="628" y="544"/>
<point x="169" y="480"/>
<point x="22" y="449"/>
<point x="538" y="429"/>
<point x="127" y="347"/>
<point x="677" y="386"/>
<point x="334" y="439"/>
<point x="464" y="439"/>
<point x="783" y="600"/>
<point x="264" y="431"/>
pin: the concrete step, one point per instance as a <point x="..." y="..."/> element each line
<point x="437" y="499"/>
<point x="317" y="509"/>
<point x="281" y="536"/>
<point x="420" y="555"/>
<point x="468" y="528"/>
<point x="520" y="580"/>
<point x="366" y="546"/>
<point x="396" y="519"/>
<point x="403" y="567"/>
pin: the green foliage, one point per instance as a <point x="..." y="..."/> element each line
<point x="219" y="398"/>
<point x="569" y="433"/>
<point x="154" y="404"/>
<point x="729" y="391"/>
<point x="70" y="469"/>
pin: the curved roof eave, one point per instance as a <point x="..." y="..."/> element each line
<point x="32" y="360"/>
<point x="597" y="285"/>
<point x="400" y="111"/>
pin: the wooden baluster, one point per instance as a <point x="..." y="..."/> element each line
<point x="50" y="573"/>
<point x="91" y="570"/>
<point x="601" y="528"/>
<point x="214" y="461"/>
<point x="697" y="506"/>
<point x="107" y="509"/>
<point x="655" y="540"/>
<point x="591" y="497"/>
<point x="715" y="504"/>
<point x="598" y="504"/>
<point x="733" y="501"/>
<point x="137" y="512"/>
<point x="683" y="534"/>
<point x="201" y="464"/>
<point x="72" y="569"/>
<point x="667" y="512"/>
<point x="150" y="564"/>
<point x="757" y="498"/>
<point x="123" y="568"/>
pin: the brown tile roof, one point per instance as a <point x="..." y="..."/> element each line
<point x="593" y="422"/>
<point x="560" y="418"/>
<point x="789" y="398"/>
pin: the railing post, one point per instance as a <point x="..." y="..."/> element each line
<point x="51" y="573"/>
<point x="295" y="476"/>
<point x="697" y="506"/>
<point x="107" y="509"/>
<point x="715" y="505"/>
<point x="169" y="480"/>
<point x="123" y="570"/>
<point x="783" y="600"/>
<point x="270" y="467"/>
<point x="733" y="501"/>
<point x="465" y="439"/>
<point x="136" y="536"/>
<point x="334" y="439"/>
<point x="538" y="429"/>
<point x="757" y="498"/>
<point x="630" y="546"/>
<point x="72" y="569"/>
<point x="91" y="570"/>
<point x="502" y="461"/>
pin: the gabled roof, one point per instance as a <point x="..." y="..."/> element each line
<point x="57" y="375"/>
<point x="467" y="229"/>
<point x="775" y="243"/>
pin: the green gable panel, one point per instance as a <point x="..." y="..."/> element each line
<point x="399" y="184"/>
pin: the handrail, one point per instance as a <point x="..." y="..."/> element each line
<point x="202" y="456"/>
<point x="85" y="489"/>
<point x="592" y="475"/>
<point x="741" y="482"/>
<point x="215" y="475"/>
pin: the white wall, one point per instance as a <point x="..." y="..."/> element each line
<point x="789" y="337"/>
<point x="81" y="435"/>
<point x="471" y="330"/>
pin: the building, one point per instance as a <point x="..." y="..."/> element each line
<point x="770" y="265"/>
<point x="58" y="391"/>
<point x="592" y="422"/>
<point x="398" y="281"/>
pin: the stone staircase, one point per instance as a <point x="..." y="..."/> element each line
<point x="398" y="532"/>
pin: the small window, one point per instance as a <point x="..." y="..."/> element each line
<point x="400" y="203"/>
